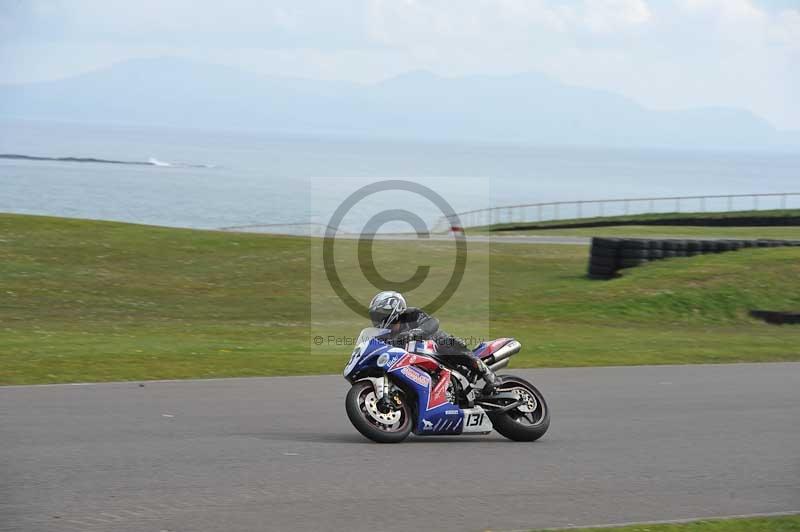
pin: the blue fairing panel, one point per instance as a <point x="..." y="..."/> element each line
<point x="443" y="419"/>
<point x="446" y="419"/>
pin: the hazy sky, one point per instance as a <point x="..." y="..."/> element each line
<point x="662" y="53"/>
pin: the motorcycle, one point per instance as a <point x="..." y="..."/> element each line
<point x="396" y="391"/>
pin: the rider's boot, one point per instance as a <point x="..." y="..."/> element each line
<point x="489" y="377"/>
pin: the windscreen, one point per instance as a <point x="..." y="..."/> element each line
<point x="370" y="332"/>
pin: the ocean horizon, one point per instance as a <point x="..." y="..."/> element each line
<point x="217" y="179"/>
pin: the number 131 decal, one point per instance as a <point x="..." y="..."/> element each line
<point x="474" y="420"/>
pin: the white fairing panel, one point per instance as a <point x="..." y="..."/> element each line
<point x="476" y="420"/>
<point x="369" y="333"/>
<point x="361" y="344"/>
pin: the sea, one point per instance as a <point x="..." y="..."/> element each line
<point x="271" y="182"/>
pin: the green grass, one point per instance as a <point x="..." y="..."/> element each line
<point x="96" y="301"/>
<point x="790" y="523"/>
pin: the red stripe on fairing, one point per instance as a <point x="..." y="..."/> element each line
<point x="493" y="346"/>
<point x="438" y="395"/>
<point x="402" y="362"/>
<point x="410" y="359"/>
<point x="425" y="362"/>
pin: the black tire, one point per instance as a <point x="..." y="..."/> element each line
<point x="631" y="263"/>
<point x="655" y="244"/>
<point x="608" y="243"/>
<point x="357" y="410"/>
<point x="604" y="252"/>
<point x="670" y="245"/>
<point x="656" y="254"/>
<point x="669" y="253"/>
<point x="635" y="253"/>
<point x="708" y="246"/>
<point x="603" y="261"/>
<point x="635" y="244"/>
<point x="601" y="271"/>
<point x="509" y="424"/>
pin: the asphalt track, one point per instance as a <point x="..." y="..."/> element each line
<point x="626" y="444"/>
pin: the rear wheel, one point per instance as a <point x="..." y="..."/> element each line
<point x="361" y="405"/>
<point x="527" y="422"/>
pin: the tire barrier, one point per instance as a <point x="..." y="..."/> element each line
<point x="609" y="255"/>
<point x="775" y="317"/>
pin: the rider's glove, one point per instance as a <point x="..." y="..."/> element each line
<point x="416" y="334"/>
<point x="407" y="336"/>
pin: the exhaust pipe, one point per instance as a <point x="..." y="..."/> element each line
<point x="504" y="353"/>
<point x="497" y="366"/>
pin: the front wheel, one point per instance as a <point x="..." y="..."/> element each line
<point x="361" y="405"/>
<point x="527" y="422"/>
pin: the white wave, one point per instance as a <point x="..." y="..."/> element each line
<point x="156" y="162"/>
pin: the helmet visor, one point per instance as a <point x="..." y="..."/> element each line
<point x="380" y="317"/>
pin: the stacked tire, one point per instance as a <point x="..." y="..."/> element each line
<point x="609" y="255"/>
<point x="604" y="258"/>
<point x="634" y="252"/>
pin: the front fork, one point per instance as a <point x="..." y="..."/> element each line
<point x="382" y="393"/>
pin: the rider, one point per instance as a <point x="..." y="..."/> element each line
<point x="388" y="310"/>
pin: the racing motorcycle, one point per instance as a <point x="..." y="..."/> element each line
<point x="397" y="391"/>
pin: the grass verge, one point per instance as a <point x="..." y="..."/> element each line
<point x="789" y="523"/>
<point x="669" y="231"/>
<point x="97" y="301"/>
<point x="735" y="219"/>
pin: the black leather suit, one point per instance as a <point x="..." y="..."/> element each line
<point x="451" y="349"/>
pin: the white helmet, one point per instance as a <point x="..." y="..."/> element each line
<point x="386" y="307"/>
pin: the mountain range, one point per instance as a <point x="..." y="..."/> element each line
<point x="525" y="108"/>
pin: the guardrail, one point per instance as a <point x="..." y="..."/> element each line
<point x="578" y="209"/>
<point x="296" y="228"/>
